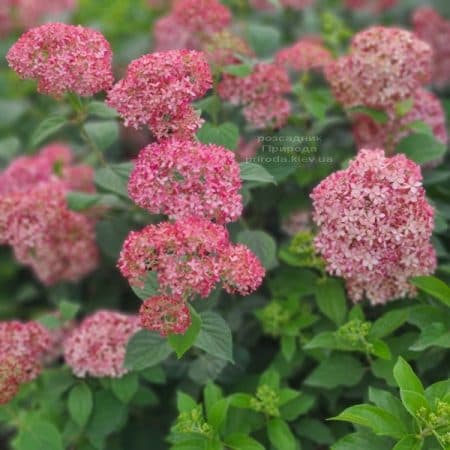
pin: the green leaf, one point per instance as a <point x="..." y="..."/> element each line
<point x="433" y="286"/>
<point x="262" y="244"/>
<point x="101" y="110"/>
<point x="388" y="402"/>
<point x="125" y="387"/>
<point x="151" y="287"/>
<point x="337" y="370"/>
<point x="11" y="111"/>
<point x="218" y="413"/>
<point x="297" y="407"/>
<point x="79" y="201"/>
<point x="315" y="431"/>
<point x="114" y="178"/>
<point x="185" y="402"/>
<point x="103" y="133"/>
<point x="181" y="343"/>
<point x="434" y="335"/>
<point x="408" y="443"/>
<point x="317" y="101"/>
<point x="413" y="401"/>
<point x="225" y="135"/>
<point x="375" y="114"/>
<point x="419" y="126"/>
<point x="388" y="323"/>
<point x="380" y="349"/>
<point x="211" y="394"/>
<point x="404" y="107"/>
<point x="406" y="378"/>
<point x="215" y="336"/>
<point x="239" y="441"/>
<point x="47" y="128"/>
<point x="421" y="147"/>
<point x="288" y="346"/>
<point x="80" y="403"/>
<point x="280" y="435"/>
<point x="68" y="310"/>
<point x="255" y="172"/>
<point x="238" y="70"/>
<point x="264" y="39"/>
<point x="240" y="400"/>
<point x="330" y="296"/>
<point x="362" y="440"/>
<point x="38" y="434"/>
<point x="146" y="349"/>
<point x="9" y="148"/>
<point x="379" y="421"/>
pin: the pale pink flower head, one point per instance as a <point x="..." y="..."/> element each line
<point x="186" y="178"/>
<point x="170" y="35"/>
<point x="261" y="93"/>
<point x="374" y="6"/>
<point x="184" y="254"/>
<point x="158" y="89"/>
<point x="30" y="13"/>
<point x="426" y="108"/>
<point x="201" y="16"/>
<point x="266" y="5"/>
<point x="385" y="66"/>
<point x="63" y="58"/>
<point x="241" y="271"/>
<point x="375" y="226"/>
<point x="97" y="346"/>
<point x="434" y="29"/>
<point x="23" y="346"/>
<point x="165" y="314"/>
<point x="305" y="54"/>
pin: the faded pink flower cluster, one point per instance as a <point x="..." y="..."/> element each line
<point x="426" y="108"/>
<point x="375" y="226"/>
<point x="190" y="257"/>
<point x="22" y="349"/>
<point x="158" y="90"/>
<point x="385" y="66"/>
<point x="261" y="94"/>
<point x="305" y="54"/>
<point x="97" y="346"/>
<point x="375" y="6"/>
<point x="189" y="23"/>
<point x="63" y="58"/>
<point x="435" y="30"/>
<point x="58" y="244"/>
<point x="267" y="5"/>
<point x="184" y="178"/>
<point x="29" y="13"/>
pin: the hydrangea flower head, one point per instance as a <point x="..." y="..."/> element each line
<point x="165" y="314"/>
<point x="266" y="5"/>
<point x="434" y="29"/>
<point x="97" y="346"/>
<point x="158" y="89"/>
<point x="384" y="67"/>
<point x="375" y="6"/>
<point x="375" y="226"/>
<point x="184" y="178"/>
<point x="63" y="58"/>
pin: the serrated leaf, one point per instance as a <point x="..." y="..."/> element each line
<point x="238" y="70"/>
<point x="151" y="287"/>
<point x="225" y="135"/>
<point x="125" y="387"/>
<point x="181" y="343"/>
<point x="331" y="300"/>
<point x="103" y="133"/>
<point x="421" y="148"/>
<point x="280" y="435"/>
<point x="101" y="110"/>
<point x="255" y="172"/>
<point x="238" y="441"/>
<point x="68" y="310"/>
<point x="262" y="244"/>
<point x="38" y="434"/>
<point x="375" y="114"/>
<point x="47" y="128"/>
<point x="433" y="286"/>
<point x="388" y="323"/>
<point x="80" y="403"/>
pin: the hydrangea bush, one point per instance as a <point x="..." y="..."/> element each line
<point x="224" y="225"/>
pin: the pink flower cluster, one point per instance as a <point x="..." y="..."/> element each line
<point x="426" y="108"/>
<point x="97" y="346"/>
<point x="375" y="6"/>
<point x="190" y="257"/>
<point x="29" y="13"/>
<point x="266" y="5"/>
<point x="63" y="58"/>
<point x="434" y="29"/>
<point x="385" y="66"/>
<point x="261" y="93"/>
<point x="184" y="178"/>
<point x="375" y="226"/>
<point x="189" y="23"/>
<point x="22" y="348"/>
<point x="58" y="244"/>
<point x="158" y="90"/>
<point x="305" y="54"/>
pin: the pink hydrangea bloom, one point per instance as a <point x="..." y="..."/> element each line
<point x="170" y="35"/>
<point x="306" y="54"/>
<point x="385" y="66"/>
<point x="188" y="256"/>
<point x="435" y="30"/>
<point x="426" y="108"/>
<point x="240" y="270"/>
<point x="201" y="16"/>
<point x="266" y="5"/>
<point x="247" y="150"/>
<point x="185" y="178"/>
<point x="375" y="226"/>
<point x="165" y="315"/>
<point x="22" y="349"/>
<point x="97" y="346"/>
<point x="58" y="244"/>
<point x="63" y="58"/>
<point x="261" y="94"/>
<point x="375" y="6"/>
<point x="158" y="89"/>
